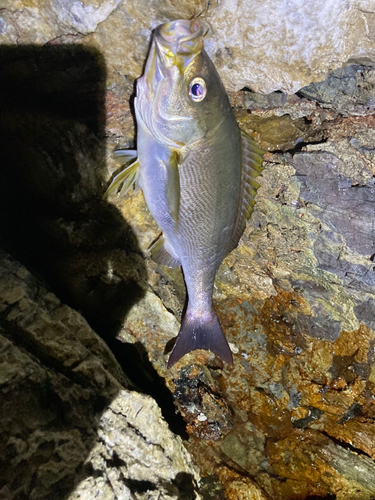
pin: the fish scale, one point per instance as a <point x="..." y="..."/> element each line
<point x="200" y="203"/>
<point x="197" y="210"/>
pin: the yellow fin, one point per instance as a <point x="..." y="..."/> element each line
<point x="127" y="177"/>
<point x="252" y="166"/>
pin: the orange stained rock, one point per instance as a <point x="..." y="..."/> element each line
<point x="197" y="357"/>
<point x="311" y="366"/>
<point x="194" y="372"/>
<point x="355" y="343"/>
<point x="345" y="398"/>
<point x="298" y="413"/>
<point x="338" y="400"/>
<point x="339" y="384"/>
<point x="297" y="458"/>
<point x="277" y="317"/>
<point x="239" y="487"/>
<point x="359" y="433"/>
<point x="320" y="360"/>
<point x="274" y="425"/>
<point x="332" y="400"/>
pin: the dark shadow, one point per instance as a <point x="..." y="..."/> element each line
<point x="53" y="216"/>
<point x="52" y="125"/>
<point x="54" y="219"/>
<point x="185" y="485"/>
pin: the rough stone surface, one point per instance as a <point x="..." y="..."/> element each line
<point x="348" y="90"/>
<point x="69" y="426"/>
<point x="282" y="46"/>
<point x="294" y="418"/>
<point x="296" y="300"/>
<point x="201" y="403"/>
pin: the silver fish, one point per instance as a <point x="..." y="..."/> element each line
<point x="197" y="171"/>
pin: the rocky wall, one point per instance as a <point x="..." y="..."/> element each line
<point x="71" y="424"/>
<point x="294" y="418"/>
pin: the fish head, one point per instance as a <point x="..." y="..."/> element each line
<point x="179" y="88"/>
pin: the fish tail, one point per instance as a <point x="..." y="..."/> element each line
<point x="198" y="333"/>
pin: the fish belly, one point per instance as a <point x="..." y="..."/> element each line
<point x="153" y="158"/>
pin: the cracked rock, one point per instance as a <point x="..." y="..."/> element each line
<point x="70" y="427"/>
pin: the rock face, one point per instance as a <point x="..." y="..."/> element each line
<point x="268" y="47"/>
<point x="294" y="418"/>
<point x="70" y="427"/>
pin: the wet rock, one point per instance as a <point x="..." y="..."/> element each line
<point x="211" y="489"/>
<point x="278" y="133"/>
<point x="365" y="312"/>
<point x="284" y="300"/>
<point x="71" y="427"/>
<point x="288" y="124"/>
<point x="348" y="474"/>
<point x="237" y="486"/>
<point x="254" y="101"/>
<point x="294" y="417"/>
<point x="205" y="411"/>
<point x="337" y="195"/>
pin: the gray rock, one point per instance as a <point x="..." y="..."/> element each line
<point x="70" y="427"/>
<point x="365" y="312"/>
<point x="347" y="209"/>
<point x="347" y="90"/>
<point x="71" y="424"/>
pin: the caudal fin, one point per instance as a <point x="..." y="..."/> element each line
<point x="196" y="333"/>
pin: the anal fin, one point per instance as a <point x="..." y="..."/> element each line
<point x="160" y="253"/>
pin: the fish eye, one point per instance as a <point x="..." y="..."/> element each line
<point x="197" y="89"/>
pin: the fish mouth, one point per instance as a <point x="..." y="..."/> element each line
<point x="178" y="43"/>
<point x="180" y="37"/>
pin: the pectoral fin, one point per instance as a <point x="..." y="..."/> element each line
<point x="127" y="177"/>
<point x="173" y="187"/>
<point x="252" y="166"/>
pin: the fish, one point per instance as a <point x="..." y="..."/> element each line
<point x="197" y="171"/>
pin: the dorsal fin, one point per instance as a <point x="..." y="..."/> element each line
<point x="252" y="160"/>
